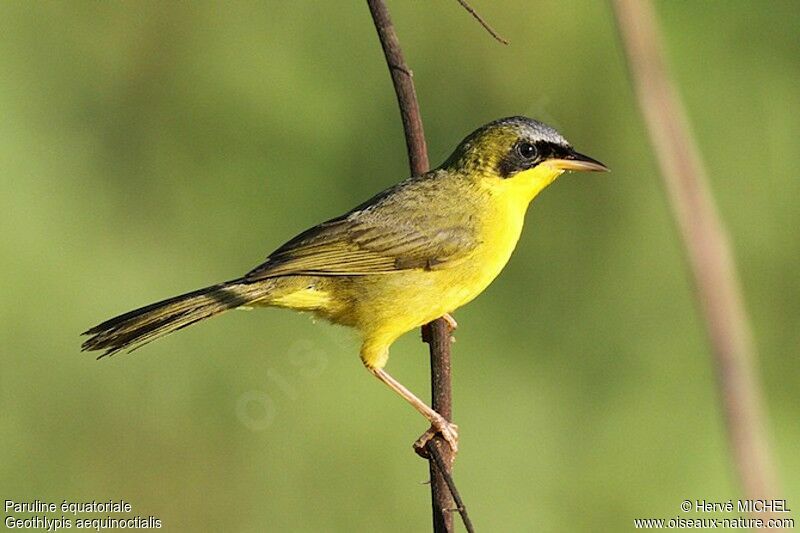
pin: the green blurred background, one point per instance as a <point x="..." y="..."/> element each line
<point x="150" y="148"/>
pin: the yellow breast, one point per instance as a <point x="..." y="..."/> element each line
<point x="500" y="223"/>
<point x="500" y="227"/>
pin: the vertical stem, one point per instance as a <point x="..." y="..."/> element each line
<point x="437" y="333"/>
<point x="403" y="87"/>
<point x="706" y="243"/>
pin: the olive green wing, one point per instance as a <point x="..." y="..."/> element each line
<point x="381" y="238"/>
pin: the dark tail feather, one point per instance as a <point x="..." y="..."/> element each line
<point x="140" y="326"/>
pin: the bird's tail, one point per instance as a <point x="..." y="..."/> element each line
<point x="140" y="326"/>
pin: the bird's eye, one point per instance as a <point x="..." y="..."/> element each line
<point x="526" y="150"/>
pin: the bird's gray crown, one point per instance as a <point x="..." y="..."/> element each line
<point x="535" y="130"/>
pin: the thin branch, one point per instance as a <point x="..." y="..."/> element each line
<point x="482" y="22"/>
<point x="707" y="248"/>
<point x="403" y="87"/>
<point x="433" y="449"/>
<point x="437" y="333"/>
<point x="439" y="337"/>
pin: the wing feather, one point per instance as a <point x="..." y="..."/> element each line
<point x="378" y="237"/>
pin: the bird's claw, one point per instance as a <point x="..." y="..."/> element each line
<point x="451" y="322"/>
<point x="440" y="426"/>
<point x="451" y="327"/>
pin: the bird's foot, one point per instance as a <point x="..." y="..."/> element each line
<point x="439" y="426"/>
<point x="451" y="326"/>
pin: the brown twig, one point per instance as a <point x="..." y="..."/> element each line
<point x="439" y="338"/>
<point x="403" y="87"/>
<point x="706" y="244"/>
<point x="433" y="449"/>
<point x="437" y="333"/>
<point x="482" y="22"/>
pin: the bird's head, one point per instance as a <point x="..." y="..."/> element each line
<point x="518" y="155"/>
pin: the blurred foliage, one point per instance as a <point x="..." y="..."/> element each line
<point x="149" y="148"/>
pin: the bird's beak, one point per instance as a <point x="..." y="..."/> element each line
<point x="579" y="162"/>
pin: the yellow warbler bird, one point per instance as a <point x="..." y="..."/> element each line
<point x="410" y="254"/>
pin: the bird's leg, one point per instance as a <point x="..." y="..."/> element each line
<point x="450" y="321"/>
<point x="438" y="423"/>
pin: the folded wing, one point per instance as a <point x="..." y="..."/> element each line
<point x="388" y="234"/>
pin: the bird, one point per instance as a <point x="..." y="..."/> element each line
<point x="414" y="252"/>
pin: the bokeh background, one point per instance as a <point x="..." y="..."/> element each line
<point x="150" y="148"/>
